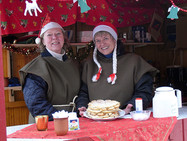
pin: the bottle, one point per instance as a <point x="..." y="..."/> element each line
<point x="138" y="104"/>
<point x="142" y="34"/>
<point x="73" y="121"/>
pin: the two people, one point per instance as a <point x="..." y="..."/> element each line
<point x="110" y="74"/>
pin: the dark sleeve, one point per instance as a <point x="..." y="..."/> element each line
<point x="35" y="95"/>
<point x="144" y="90"/>
<point x="83" y="98"/>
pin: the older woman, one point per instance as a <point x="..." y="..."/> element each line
<point x="50" y="81"/>
<point x="118" y="76"/>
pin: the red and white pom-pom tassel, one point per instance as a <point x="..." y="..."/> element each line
<point x="112" y="78"/>
<point x="96" y="76"/>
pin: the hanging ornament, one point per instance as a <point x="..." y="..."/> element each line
<point x="173" y="12"/>
<point x="83" y="5"/>
<point x="32" y="6"/>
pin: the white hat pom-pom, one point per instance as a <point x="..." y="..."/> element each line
<point x="37" y="40"/>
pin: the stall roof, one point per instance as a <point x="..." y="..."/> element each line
<point x="121" y="13"/>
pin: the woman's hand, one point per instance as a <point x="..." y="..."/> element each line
<point x="81" y="111"/>
<point x="128" y="108"/>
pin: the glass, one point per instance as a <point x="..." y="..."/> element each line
<point x="42" y="122"/>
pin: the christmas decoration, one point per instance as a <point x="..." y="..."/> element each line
<point x="67" y="13"/>
<point x="83" y="4"/>
<point x="173" y="11"/>
<point x="85" y="52"/>
<point x="21" y="50"/>
<point x="32" y="6"/>
<point x="80" y="56"/>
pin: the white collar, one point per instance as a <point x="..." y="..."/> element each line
<point x="56" y="55"/>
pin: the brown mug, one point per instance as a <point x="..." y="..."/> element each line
<point x="61" y="126"/>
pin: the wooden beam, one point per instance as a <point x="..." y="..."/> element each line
<point x="2" y="96"/>
<point x="15" y="104"/>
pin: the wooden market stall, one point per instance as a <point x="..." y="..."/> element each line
<point x="166" y="48"/>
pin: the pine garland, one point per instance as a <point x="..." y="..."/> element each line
<point x="34" y="50"/>
<point x="21" y="50"/>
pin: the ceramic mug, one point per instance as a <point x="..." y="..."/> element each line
<point x="61" y="126"/>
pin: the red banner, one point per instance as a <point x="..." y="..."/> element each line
<point x="121" y="13"/>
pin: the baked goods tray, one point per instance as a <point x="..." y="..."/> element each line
<point x="121" y="114"/>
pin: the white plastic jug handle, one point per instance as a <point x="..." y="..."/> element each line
<point x="179" y="98"/>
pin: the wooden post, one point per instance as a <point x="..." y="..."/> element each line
<point x="2" y="96"/>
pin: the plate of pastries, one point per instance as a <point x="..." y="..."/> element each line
<point x="103" y="110"/>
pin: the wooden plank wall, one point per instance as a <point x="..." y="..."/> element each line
<point x="161" y="57"/>
<point x="16" y="66"/>
<point x="16" y="113"/>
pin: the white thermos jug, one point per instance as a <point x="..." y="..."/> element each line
<point x="165" y="103"/>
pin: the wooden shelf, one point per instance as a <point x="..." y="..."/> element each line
<point x="144" y="44"/>
<point x="16" y="88"/>
<point x="35" y="45"/>
<point x="24" y="45"/>
<point x="85" y="43"/>
<point x="15" y="104"/>
<point x="78" y="44"/>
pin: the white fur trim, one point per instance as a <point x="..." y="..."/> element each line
<point x="37" y="40"/>
<point x="50" y="25"/>
<point x="105" y="28"/>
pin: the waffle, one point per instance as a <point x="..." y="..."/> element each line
<point x="103" y="109"/>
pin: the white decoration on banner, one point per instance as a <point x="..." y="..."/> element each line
<point x="32" y="6"/>
<point x="74" y="1"/>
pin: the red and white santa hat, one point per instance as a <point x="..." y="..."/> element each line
<point x="108" y="27"/>
<point x="47" y="24"/>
